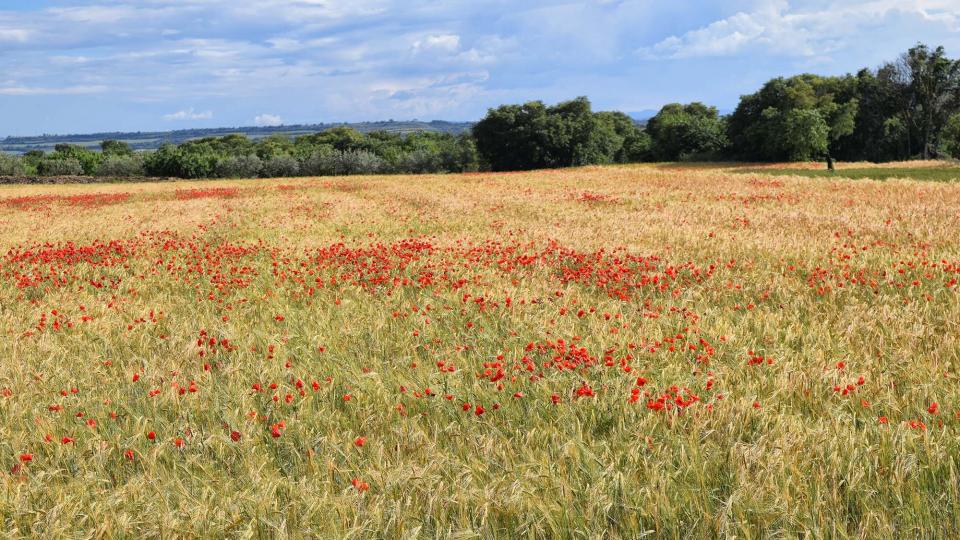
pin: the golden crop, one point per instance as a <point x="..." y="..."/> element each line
<point x="596" y="352"/>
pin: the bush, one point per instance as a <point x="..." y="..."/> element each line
<point x="162" y="162"/>
<point x="60" y="167"/>
<point x="319" y="163"/>
<point x="11" y="165"/>
<point x="328" y="162"/>
<point x="278" y="166"/>
<point x="121" y="166"/>
<point x="88" y="159"/>
<point x="358" y="162"/>
<point x="418" y="162"/>
<point x="239" y="167"/>
<point x="951" y="137"/>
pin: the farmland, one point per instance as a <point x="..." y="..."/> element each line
<point x="616" y="351"/>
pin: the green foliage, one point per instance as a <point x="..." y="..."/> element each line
<point x="532" y="135"/>
<point x="510" y="137"/>
<point x="88" y="160"/>
<point x="951" y="137"/>
<point x="799" y="118"/>
<point x="343" y="139"/>
<point x="115" y="148"/>
<point x="679" y="131"/>
<point x="60" y="166"/>
<point x="896" y="112"/>
<point x="248" y="166"/>
<point x="280" y="166"/>
<point x="164" y="162"/>
<point x="805" y="134"/>
<point x="934" y="88"/>
<point x="11" y="165"/>
<point x="121" y="166"/>
<point x="274" y="146"/>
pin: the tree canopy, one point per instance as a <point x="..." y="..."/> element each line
<point x="533" y="136"/>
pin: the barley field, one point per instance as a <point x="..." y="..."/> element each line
<point x="606" y="352"/>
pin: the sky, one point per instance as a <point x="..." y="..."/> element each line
<point x="80" y="66"/>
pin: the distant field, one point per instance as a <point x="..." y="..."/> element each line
<point x="611" y="352"/>
<point x="937" y="174"/>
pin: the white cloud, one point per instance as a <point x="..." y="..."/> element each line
<point x="445" y="43"/>
<point x="774" y="26"/>
<point x="14" y="35"/>
<point x="268" y="120"/>
<point x="50" y="91"/>
<point x="68" y="59"/>
<point x="189" y="114"/>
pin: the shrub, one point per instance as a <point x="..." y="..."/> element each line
<point x="162" y="162"/>
<point x="278" y="166"/>
<point x="121" y="166"/>
<point x="320" y="162"/>
<point x="88" y="159"/>
<point x="418" y="162"/>
<point x="358" y="162"/>
<point x="60" y="167"/>
<point x="239" y="167"/>
<point x="11" y="165"/>
<point x="951" y="137"/>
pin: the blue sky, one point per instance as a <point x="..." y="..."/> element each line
<point x="72" y="66"/>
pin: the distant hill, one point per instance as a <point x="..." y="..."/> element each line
<point x="641" y="117"/>
<point x="152" y="140"/>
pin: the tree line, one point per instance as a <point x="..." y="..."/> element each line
<point x="337" y="151"/>
<point x="907" y="108"/>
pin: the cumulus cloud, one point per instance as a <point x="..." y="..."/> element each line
<point x="775" y="27"/>
<point x="267" y="120"/>
<point x="189" y="114"/>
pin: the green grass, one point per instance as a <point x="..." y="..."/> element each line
<point x="933" y="174"/>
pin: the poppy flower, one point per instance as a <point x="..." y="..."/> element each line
<point x="360" y="485"/>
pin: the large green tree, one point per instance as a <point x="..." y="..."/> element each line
<point x="933" y="83"/>
<point x="799" y="118"/>
<point x="680" y="131"/>
<point x="533" y="135"/>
